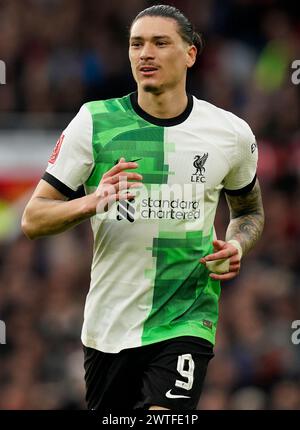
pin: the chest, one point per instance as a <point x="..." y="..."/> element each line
<point x="185" y="154"/>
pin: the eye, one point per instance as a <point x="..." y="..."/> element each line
<point x="135" y="44"/>
<point x="161" y="43"/>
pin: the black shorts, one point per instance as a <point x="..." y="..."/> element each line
<point x="168" y="374"/>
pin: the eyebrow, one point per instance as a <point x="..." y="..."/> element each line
<point x="163" y="36"/>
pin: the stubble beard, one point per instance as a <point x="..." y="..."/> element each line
<point x="153" y="89"/>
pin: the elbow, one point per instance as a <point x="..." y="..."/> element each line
<point x="28" y="227"/>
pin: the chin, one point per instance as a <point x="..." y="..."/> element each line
<point x="151" y="88"/>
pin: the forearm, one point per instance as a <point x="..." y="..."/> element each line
<point x="246" y="229"/>
<point x="44" y="217"/>
<point x="246" y="218"/>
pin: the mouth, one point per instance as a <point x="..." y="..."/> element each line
<point x="148" y="70"/>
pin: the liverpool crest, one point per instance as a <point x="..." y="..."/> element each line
<point x="198" y="163"/>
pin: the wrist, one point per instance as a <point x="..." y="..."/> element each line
<point x="237" y="245"/>
<point x="89" y="206"/>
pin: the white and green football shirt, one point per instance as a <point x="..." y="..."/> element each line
<point x="147" y="284"/>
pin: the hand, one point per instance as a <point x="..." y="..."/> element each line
<point x="113" y="182"/>
<point x="224" y="251"/>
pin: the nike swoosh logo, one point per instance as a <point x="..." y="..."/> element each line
<point x="175" y="396"/>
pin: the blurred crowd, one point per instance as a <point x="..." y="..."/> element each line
<point x="61" y="53"/>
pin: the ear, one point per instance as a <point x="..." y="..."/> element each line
<point x="191" y="55"/>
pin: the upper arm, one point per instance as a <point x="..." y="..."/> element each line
<point x="46" y="191"/>
<point x="241" y="177"/>
<point x="72" y="160"/>
<point x="246" y="203"/>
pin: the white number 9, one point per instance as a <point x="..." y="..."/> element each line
<point x="185" y="371"/>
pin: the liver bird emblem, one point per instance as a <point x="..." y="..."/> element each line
<point x="199" y="163"/>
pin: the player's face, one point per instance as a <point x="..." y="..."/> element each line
<point x="158" y="55"/>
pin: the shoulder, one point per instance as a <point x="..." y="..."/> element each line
<point x="108" y="105"/>
<point x="224" y="118"/>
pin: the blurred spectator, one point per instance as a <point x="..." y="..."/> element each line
<point x="249" y="398"/>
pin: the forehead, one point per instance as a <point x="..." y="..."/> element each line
<point x="151" y="26"/>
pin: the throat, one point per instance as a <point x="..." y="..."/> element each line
<point x="162" y="106"/>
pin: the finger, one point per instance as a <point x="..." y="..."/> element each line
<point x="234" y="267"/>
<point x="224" y="253"/>
<point x="235" y="259"/>
<point x="134" y="185"/>
<point x="118" y="197"/>
<point x="107" y="202"/>
<point x="122" y="176"/>
<point x="126" y="196"/>
<point x="108" y="191"/>
<point x="123" y="185"/>
<point x="218" y="244"/>
<point x="120" y="167"/>
<point x="223" y="277"/>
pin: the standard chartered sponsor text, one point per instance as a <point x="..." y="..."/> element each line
<point x="169" y="209"/>
<point x="164" y="201"/>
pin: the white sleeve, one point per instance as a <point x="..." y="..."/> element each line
<point x="72" y="160"/>
<point x="242" y="175"/>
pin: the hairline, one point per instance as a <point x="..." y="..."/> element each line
<point x="170" y="18"/>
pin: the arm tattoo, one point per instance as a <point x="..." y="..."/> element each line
<point x="246" y="218"/>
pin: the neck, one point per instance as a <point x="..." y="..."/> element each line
<point x="165" y="105"/>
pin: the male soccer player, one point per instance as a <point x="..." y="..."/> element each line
<point x="151" y="312"/>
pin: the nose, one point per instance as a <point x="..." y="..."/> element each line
<point x="147" y="52"/>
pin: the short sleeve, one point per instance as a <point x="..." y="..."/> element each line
<point x="72" y="161"/>
<point x="242" y="175"/>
